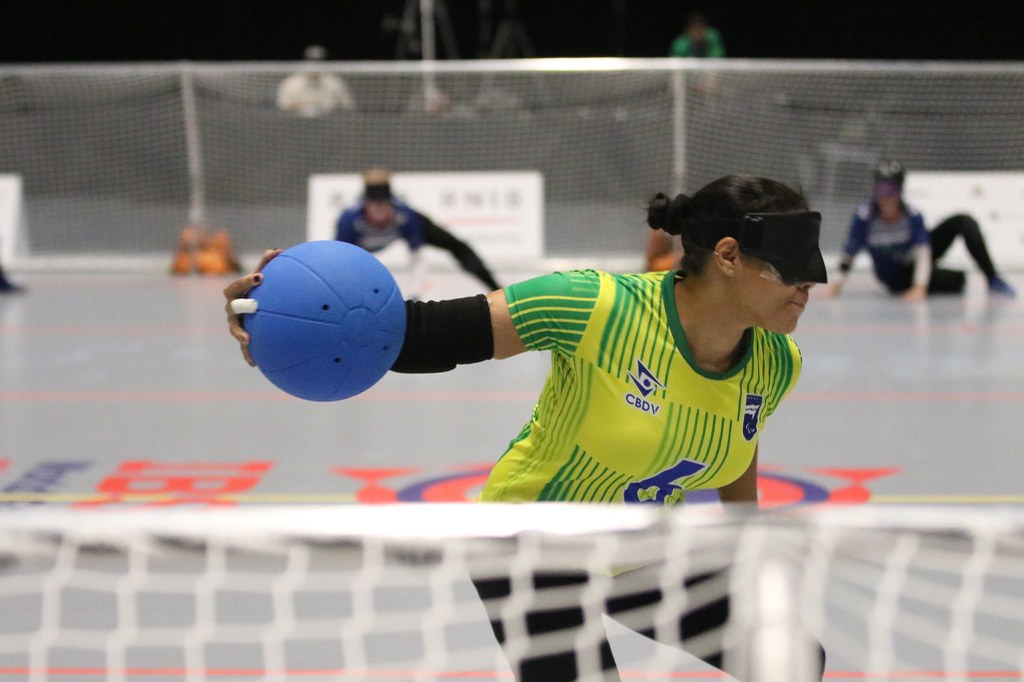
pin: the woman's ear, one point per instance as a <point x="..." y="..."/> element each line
<point x="727" y="255"/>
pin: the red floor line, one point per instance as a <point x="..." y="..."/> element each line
<point x="909" y="396"/>
<point x="930" y="329"/>
<point x="832" y="396"/>
<point x="255" y="396"/>
<point x="110" y="330"/>
<point x="472" y="396"/>
<point x="141" y="396"/>
<point x="257" y="672"/>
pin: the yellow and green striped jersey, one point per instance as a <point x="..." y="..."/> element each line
<point x="625" y="414"/>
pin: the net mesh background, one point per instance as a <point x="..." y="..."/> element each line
<point x="114" y="158"/>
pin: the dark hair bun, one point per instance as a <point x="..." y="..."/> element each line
<point x="667" y="215"/>
<point x="657" y="211"/>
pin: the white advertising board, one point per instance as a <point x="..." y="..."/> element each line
<point x="12" y="237"/>
<point x="500" y="214"/>
<point x="995" y="200"/>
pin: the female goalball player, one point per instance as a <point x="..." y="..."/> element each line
<point x="660" y="383"/>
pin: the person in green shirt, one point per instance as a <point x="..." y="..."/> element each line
<point x="698" y="39"/>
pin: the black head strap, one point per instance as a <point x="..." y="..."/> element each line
<point x="748" y="231"/>
<point x="380" y="191"/>
<point x="789" y="241"/>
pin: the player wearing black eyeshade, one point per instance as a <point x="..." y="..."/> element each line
<point x="379" y="218"/>
<point x="660" y="384"/>
<point x="904" y="254"/>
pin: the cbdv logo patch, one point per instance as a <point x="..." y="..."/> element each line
<point x="646" y="383"/>
<point x="751" y="414"/>
<point x="644" y="380"/>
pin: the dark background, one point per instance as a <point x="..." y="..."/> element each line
<point x="212" y="30"/>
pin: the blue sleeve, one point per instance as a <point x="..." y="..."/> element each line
<point x="412" y="230"/>
<point x="345" y="230"/>
<point x="858" y="236"/>
<point x="919" y="233"/>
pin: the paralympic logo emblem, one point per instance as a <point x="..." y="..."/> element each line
<point x="751" y="413"/>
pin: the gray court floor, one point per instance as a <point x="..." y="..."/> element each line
<point x="124" y="390"/>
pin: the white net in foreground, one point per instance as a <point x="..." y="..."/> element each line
<point x="411" y="592"/>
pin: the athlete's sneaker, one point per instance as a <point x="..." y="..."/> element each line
<point x="998" y="285"/>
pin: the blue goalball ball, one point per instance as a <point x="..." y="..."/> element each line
<point x="329" y="321"/>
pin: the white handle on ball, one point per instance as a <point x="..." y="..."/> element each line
<point x="240" y="306"/>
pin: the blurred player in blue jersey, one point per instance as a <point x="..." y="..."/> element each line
<point x="904" y="253"/>
<point x="378" y="219"/>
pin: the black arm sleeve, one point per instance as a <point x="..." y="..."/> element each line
<point x="437" y="236"/>
<point x="442" y="334"/>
